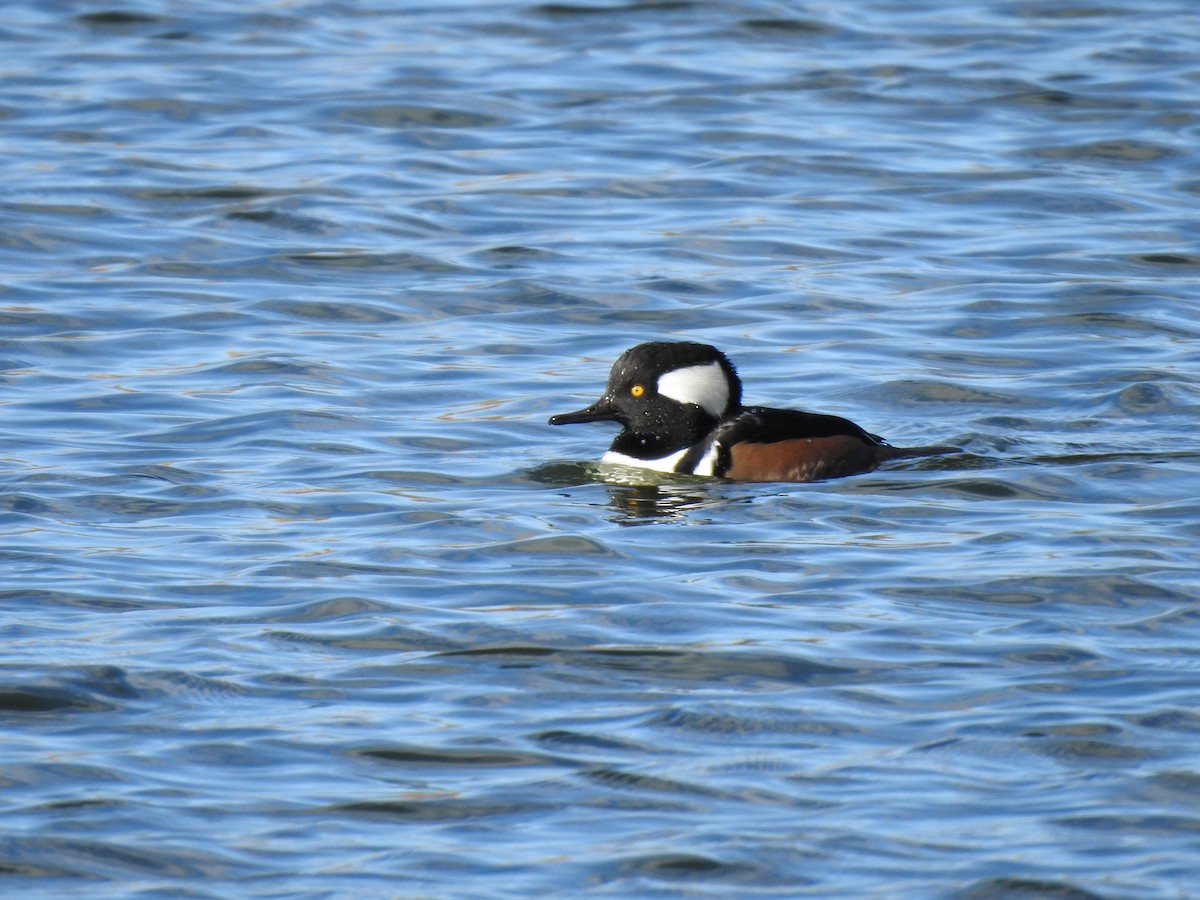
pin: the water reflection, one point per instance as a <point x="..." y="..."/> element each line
<point x="643" y="504"/>
<point x="640" y="496"/>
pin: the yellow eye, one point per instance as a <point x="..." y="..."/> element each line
<point x="637" y="390"/>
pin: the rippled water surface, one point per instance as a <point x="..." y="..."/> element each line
<point x="302" y="597"/>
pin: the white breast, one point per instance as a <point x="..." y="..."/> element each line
<point x="665" y="464"/>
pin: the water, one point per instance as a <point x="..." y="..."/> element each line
<point x="302" y="596"/>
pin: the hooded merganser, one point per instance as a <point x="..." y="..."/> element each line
<point x="680" y="408"/>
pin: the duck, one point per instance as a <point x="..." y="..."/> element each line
<point x="679" y="405"/>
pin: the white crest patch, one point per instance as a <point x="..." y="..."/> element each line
<point x="707" y="386"/>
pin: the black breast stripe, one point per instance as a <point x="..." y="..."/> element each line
<point x="688" y="462"/>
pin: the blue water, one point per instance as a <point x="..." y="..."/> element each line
<point x="302" y="597"/>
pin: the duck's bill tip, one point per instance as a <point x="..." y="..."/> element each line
<point x="600" y="411"/>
